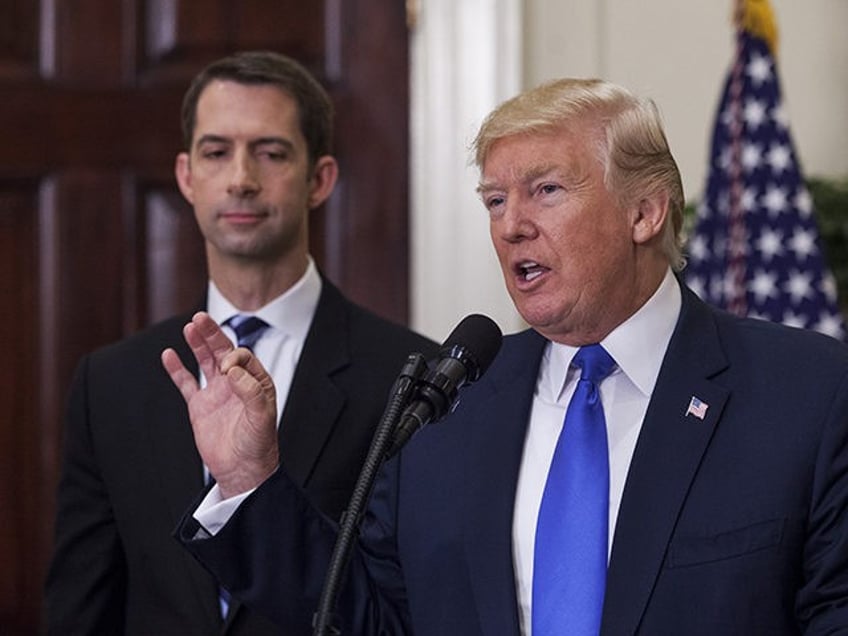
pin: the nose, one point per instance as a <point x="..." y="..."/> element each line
<point x="515" y="223"/>
<point x="244" y="177"/>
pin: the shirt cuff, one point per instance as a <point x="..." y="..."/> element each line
<point x="214" y="512"/>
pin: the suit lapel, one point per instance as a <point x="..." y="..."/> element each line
<point x="314" y="397"/>
<point x="495" y="447"/>
<point x="665" y="461"/>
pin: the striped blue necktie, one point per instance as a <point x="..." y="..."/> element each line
<point x="570" y="559"/>
<point x="248" y="329"/>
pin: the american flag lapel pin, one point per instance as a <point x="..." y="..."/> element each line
<point x="697" y="407"/>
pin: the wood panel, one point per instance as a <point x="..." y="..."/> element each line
<point x="374" y="62"/>
<point x="95" y="240"/>
<point x="19" y="435"/>
<point x="19" y="39"/>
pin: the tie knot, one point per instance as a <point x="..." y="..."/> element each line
<point x="594" y="362"/>
<point x="248" y="329"/>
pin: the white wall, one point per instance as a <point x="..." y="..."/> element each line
<point x="470" y="54"/>
<point x="466" y="58"/>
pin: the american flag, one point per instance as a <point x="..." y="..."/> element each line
<point x="697" y="408"/>
<point x="755" y="249"/>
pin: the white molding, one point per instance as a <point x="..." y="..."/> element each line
<point x="465" y="59"/>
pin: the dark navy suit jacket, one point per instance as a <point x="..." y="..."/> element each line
<point x="736" y="523"/>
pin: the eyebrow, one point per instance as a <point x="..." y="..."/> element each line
<point x="261" y="141"/>
<point x="525" y="176"/>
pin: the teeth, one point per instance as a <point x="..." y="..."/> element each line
<point x="530" y="270"/>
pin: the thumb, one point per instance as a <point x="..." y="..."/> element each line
<point x="256" y="393"/>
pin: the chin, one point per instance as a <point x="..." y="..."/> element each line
<point x="546" y="321"/>
<point x="538" y="321"/>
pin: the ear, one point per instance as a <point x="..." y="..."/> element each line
<point x="323" y="180"/>
<point x="649" y="217"/>
<point x="182" y="170"/>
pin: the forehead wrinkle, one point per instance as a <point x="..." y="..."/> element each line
<point x="535" y="171"/>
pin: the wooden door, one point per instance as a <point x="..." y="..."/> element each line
<point x="95" y="241"/>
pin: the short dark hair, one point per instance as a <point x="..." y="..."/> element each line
<point x="315" y="109"/>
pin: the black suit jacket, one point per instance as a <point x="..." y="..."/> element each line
<point x="734" y="524"/>
<point x="131" y="467"/>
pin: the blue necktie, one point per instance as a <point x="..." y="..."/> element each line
<point x="248" y="329"/>
<point x="570" y="560"/>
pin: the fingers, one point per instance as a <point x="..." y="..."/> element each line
<point x="180" y="376"/>
<point x="244" y="385"/>
<point x="251" y="380"/>
<point x="212" y="334"/>
<point x="243" y="358"/>
<point x="216" y="357"/>
<point x="208" y="343"/>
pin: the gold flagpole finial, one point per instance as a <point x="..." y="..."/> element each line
<point x="757" y="18"/>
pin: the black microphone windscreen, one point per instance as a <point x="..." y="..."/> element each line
<point x="480" y="336"/>
<point x="466" y="354"/>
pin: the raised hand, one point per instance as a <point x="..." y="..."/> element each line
<point x="234" y="416"/>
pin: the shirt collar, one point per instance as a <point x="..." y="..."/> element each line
<point x="637" y="345"/>
<point x="291" y="312"/>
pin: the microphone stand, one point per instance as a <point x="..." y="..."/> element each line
<point x="324" y="618"/>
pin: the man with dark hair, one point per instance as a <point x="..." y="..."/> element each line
<point x="636" y="462"/>
<point x="258" y="131"/>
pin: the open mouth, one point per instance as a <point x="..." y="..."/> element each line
<point x="530" y="270"/>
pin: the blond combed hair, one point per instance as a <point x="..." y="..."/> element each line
<point x="632" y="148"/>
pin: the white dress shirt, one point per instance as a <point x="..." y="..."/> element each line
<point x="638" y="346"/>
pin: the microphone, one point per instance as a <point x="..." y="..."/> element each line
<point x="464" y="357"/>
